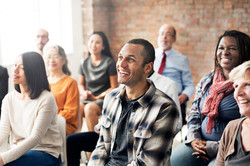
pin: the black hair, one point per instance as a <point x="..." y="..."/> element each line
<point x="35" y="73"/>
<point x="149" y="51"/>
<point x="243" y="43"/>
<point x="106" y="51"/>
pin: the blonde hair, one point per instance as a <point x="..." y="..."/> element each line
<point x="239" y="71"/>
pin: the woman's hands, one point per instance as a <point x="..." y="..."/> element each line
<point x="200" y="148"/>
<point x="87" y="95"/>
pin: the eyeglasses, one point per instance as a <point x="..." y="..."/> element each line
<point x="42" y="36"/>
<point x="56" y="57"/>
<point x="168" y="34"/>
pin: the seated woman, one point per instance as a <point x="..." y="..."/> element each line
<point x="63" y="87"/>
<point x="29" y="116"/>
<point x="97" y="76"/>
<point x="234" y="146"/>
<point x="214" y="105"/>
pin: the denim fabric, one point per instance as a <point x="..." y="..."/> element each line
<point x="182" y="156"/>
<point x="37" y="158"/>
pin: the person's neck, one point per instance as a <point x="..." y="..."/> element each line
<point x="55" y="76"/>
<point x="24" y="94"/>
<point x="226" y="74"/>
<point x="166" y="49"/>
<point x="40" y="52"/>
<point x="133" y="92"/>
<point x="96" y="59"/>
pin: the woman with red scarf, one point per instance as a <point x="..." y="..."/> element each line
<point x="214" y="105"/>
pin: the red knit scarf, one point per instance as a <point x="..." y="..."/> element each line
<point x="218" y="90"/>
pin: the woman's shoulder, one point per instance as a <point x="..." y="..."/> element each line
<point x="10" y="95"/>
<point x="69" y="80"/>
<point x="45" y="93"/>
<point x="235" y="123"/>
<point x="207" y="77"/>
<point x="85" y="59"/>
<point x="233" y="126"/>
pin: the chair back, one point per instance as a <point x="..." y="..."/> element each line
<point x="62" y="127"/>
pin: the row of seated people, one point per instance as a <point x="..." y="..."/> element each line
<point x="213" y="108"/>
<point x="213" y="90"/>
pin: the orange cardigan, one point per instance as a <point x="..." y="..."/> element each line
<point x="66" y="94"/>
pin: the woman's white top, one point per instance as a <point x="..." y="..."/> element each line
<point x="31" y="125"/>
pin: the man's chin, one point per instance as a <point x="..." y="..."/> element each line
<point x="164" y="47"/>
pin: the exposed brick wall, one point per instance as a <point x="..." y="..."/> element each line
<point x="87" y="22"/>
<point x="198" y="23"/>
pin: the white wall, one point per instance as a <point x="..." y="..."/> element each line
<point x="77" y="52"/>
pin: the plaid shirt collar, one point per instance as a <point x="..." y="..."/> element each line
<point x="145" y="100"/>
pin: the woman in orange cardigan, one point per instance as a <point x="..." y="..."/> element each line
<point x="63" y="87"/>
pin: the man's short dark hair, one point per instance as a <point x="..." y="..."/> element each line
<point x="149" y="51"/>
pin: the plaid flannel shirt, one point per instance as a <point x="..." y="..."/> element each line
<point x="153" y="122"/>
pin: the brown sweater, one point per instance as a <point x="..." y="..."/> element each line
<point x="227" y="141"/>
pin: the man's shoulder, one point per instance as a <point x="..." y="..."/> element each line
<point x="162" y="82"/>
<point x="163" y="96"/>
<point x="157" y="77"/>
<point x="115" y="92"/>
<point x="2" y="69"/>
<point x="178" y="54"/>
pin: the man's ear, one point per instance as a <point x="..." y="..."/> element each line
<point x="148" y="67"/>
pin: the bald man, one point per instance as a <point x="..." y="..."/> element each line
<point x="172" y="64"/>
<point x="42" y="39"/>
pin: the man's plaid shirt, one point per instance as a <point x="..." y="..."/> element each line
<point x="152" y="124"/>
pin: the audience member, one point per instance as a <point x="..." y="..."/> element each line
<point x="63" y="87"/>
<point x="4" y="84"/>
<point x="138" y="121"/>
<point x="97" y="76"/>
<point x="214" y="105"/>
<point x="86" y="141"/>
<point x="174" y="65"/>
<point x="42" y="39"/>
<point x="29" y="117"/>
<point x="234" y="146"/>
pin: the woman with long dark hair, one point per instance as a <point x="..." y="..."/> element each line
<point x="97" y="76"/>
<point x="29" y="116"/>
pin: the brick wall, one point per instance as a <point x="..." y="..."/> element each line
<point x="198" y="24"/>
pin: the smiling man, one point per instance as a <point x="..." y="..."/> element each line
<point x="138" y="120"/>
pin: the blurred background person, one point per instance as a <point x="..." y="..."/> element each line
<point x="63" y="87"/>
<point x="172" y="64"/>
<point x="42" y="38"/>
<point x="29" y="116"/>
<point x="4" y="84"/>
<point x="214" y="104"/>
<point x="97" y="76"/>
